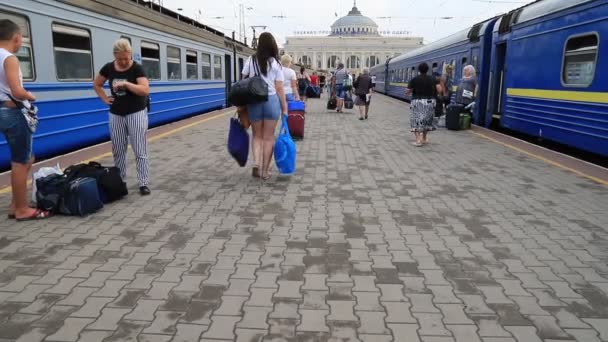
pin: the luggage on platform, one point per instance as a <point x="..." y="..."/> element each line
<point x="313" y="92"/>
<point x="348" y="102"/>
<point x="285" y="149"/>
<point x="465" y="121"/>
<point x="332" y="103"/>
<point x="238" y="142"/>
<point x="49" y="192"/>
<point x="296" y="119"/>
<point x="296" y="106"/>
<point x="452" y="117"/>
<point x="110" y="184"/>
<point x="81" y="197"/>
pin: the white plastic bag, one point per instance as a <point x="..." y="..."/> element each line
<point x="41" y="173"/>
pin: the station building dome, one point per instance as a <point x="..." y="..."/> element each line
<point x="354" y="24"/>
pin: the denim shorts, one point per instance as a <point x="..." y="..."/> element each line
<point x="340" y="93"/>
<point x="17" y="133"/>
<point x="269" y="110"/>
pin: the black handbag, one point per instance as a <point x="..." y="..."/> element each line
<point x="249" y="90"/>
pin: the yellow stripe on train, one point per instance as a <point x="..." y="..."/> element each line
<point x="580" y="96"/>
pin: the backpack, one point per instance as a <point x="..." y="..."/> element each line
<point x="109" y="182"/>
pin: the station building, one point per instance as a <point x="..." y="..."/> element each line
<point x="354" y="39"/>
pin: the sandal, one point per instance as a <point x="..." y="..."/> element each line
<point x="255" y="172"/>
<point x="417" y="144"/>
<point x="267" y="176"/>
<point x="38" y="215"/>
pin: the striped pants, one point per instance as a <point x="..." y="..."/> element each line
<point x="131" y="128"/>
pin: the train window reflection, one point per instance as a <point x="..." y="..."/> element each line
<point x="217" y="67"/>
<point x="580" y="58"/>
<point x="73" y="58"/>
<point x="150" y="60"/>
<point x="24" y="54"/>
<point x="174" y="64"/>
<point x="206" y="66"/>
<point x="191" y="65"/>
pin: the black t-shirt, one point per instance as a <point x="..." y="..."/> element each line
<point x="125" y="102"/>
<point x="423" y="87"/>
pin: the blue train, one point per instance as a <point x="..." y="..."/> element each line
<point x="539" y="68"/>
<point x="190" y="66"/>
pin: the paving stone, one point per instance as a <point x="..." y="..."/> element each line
<point x="254" y="317"/>
<point x="464" y="333"/>
<point x="144" y="311"/>
<point x="405" y="332"/>
<point x="188" y="332"/>
<point x="70" y="330"/>
<point x="222" y="327"/>
<point x="431" y="324"/>
<point x="454" y="314"/>
<point x="521" y="334"/>
<point x="372" y="323"/>
<point x="78" y="296"/>
<point x="601" y="325"/>
<point x="109" y="319"/>
<point x="92" y="308"/>
<point x="164" y="323"/>
<point x="368" y="301"/>
<point x="231" y="306"/>
<point x="313" y="320"/>
<point x="287" y="310"/>
<point x="342" y="311"/>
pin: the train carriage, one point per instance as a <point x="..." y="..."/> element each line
<point x="470" y="46"/>
<point x="190" y="66"/>
<point x="546" y="78"/>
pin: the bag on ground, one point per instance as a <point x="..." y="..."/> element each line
<point x="41" y="173"/>
<point x="49" y="192"/>
<point x="81" y="197"/>
<point x="285" y="150"/>
<point x="332" y="103"/>
<point x="109" y="182"/>
<point x="238" y="142"/>
<point x="452" y="117"/>
<point x="348" y="102"/>
<point x="295" y="119"/>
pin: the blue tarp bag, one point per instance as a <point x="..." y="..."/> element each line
<point x="285" y="150"/>
<point x="238" y="142"/>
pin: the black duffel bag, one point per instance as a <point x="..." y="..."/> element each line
<point x="249" y="90"/>
<point x="50" y="191"/>
<point x="110" y="184"/>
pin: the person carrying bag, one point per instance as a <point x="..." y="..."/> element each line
<point x="250" y="90"/>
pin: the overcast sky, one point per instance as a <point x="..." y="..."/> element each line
<point x="420" y="17"/>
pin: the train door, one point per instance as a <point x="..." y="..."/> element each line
<point x="241" y="64"/>
<point x="480" y="105"/>
<point x="228" y="75"/>
<point x="497" y="83"/>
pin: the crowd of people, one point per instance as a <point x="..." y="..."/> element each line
<point x="128" y="105"/>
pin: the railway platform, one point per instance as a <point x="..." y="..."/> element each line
<point x="475" y="237"/>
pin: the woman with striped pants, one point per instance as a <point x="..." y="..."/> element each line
<point x="128" y="110"/>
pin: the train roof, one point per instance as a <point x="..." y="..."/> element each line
<point x="151" y="15"/>
<point x="533" y="11"/>
<point x="458" y="37"/>
<point x="545" y="7"/>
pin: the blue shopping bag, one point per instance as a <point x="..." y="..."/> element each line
<point x="238" y="142"/>
<point x="285" y="150"/>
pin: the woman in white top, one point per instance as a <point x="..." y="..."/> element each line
<point x="289" y="84"/>
<point x="264" y="116"/>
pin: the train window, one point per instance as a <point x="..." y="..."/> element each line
<point x="434" y="68"/>
<point x="475" y="62"/>
<point x="191" y="65"/>
<point x="453" y="63"/>
<point x="24" y="54"/>
<point x="217" y="67"/>
<point x="126" y="38"/>
<point x="150" y="60"/>
<point x="580" y="58"/>
<point x="174" y="63"/>
<point x="464" y="61"/>
<point x="73" y="57"/>
<point x="206" y="66"/>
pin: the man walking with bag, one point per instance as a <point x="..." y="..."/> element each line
<point x="13" y="122"/>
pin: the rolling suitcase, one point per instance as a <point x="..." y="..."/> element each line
<point x="81" y="197"/>
<point x="452" y="117"/>
<point x="295" y="119"/>
<point x="332" y="103"/>
<point x="348" y="102"/>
